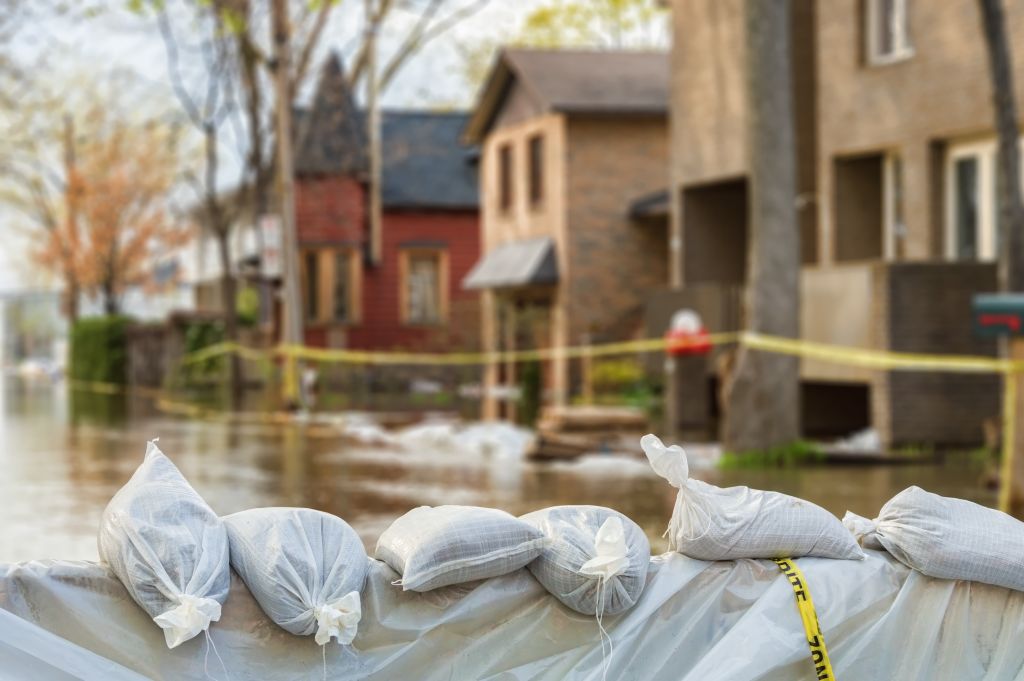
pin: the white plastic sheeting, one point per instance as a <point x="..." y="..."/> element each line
<point x="695" y="621"/>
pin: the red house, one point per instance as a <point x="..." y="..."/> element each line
<point x="412" y="297"/>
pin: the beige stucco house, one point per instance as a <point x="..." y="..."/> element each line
<point x="897" y="200"/>
<point x="574" y="148"/>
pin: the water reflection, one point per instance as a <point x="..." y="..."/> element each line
<point x="64" y="456"/>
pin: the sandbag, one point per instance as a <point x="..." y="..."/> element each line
<point x="305" y="568"/>
<point x="438" y="546"/>
<point x="946" y="537"/>
<point x="168" y="548"/>
<point x="714" y="523"/>
<point x="597" y="559"/>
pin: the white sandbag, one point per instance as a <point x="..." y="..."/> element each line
<point x="168" y="548"/>
<point x="947" y="538"/>
<point x="305" y="568"/>
<point x="437" y="546"/>
<point x="714" y="523"/>
<point x="597" y="560"/>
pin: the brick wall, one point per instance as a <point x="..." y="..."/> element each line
<point x="926" y="308"/>
<point x="330" y="209"/>
<point x="614" y="262"/>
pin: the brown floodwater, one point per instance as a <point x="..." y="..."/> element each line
<point x="61" y="459"/>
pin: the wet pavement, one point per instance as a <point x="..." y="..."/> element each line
<point x="61" y="460"/>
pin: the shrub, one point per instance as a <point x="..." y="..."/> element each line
<point x="798" y="453"/>
<point x="616" y="375"/>
<point x="199" y="335"/>
<point x="99" y="350"/>
<point x="247" y="305"/>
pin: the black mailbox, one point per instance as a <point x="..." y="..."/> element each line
<point x="998" y="314"/>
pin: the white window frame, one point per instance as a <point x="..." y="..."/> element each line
<point x="902" y="47"/>
<point x="895" y="230"/>
<point x="985" y="153"/>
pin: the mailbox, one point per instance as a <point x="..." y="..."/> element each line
<point x="998" y="314"/>
<point x="687" y="335"/>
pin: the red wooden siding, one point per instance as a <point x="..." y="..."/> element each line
<point x="331" y="210"/>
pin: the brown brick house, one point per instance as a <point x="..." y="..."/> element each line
<point x="897" y="199"/>
<point x="569" y="140"/>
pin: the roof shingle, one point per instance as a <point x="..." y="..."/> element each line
<point x="622" y="82"/>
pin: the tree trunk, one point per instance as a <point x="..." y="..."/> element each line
<point x="1011" y="208"/>
<point x="220" y="227"/>
<point x="762" y="392"/>
<point x="71" y="292"/>
<point x="110" y="306"/>
<point x="228" y="293"/>
<point x="1011" y="236"/>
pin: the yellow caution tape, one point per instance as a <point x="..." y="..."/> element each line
<point x="877" y="359"/>
<point x="863" y="357"/>
<point x="809" y="617"/>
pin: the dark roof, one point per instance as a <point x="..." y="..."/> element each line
<point x="576" y="81"/>
<point x="529" y="262"/>
<point x="653" y="205"/>
<point x="333" y="138"/>
<point x="425" y="164"/>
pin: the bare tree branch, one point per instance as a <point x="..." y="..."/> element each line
<point x="421" y="36"/>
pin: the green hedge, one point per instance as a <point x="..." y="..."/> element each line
<point x="99" y="349"/>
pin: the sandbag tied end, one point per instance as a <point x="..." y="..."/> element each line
<point x="612" y="557"/>
<point x="668" y="462"/>
<point x="338" y="619"/>
<point x="192" y="615"/>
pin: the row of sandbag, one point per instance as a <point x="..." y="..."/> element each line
<point x="938" y="536"/>
<point x="306" y="568"/>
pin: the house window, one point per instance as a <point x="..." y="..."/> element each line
<point x="887" y="29"/>
<point x="344" y="286"/>
<point x="536" y="170"/>
<point x="331" y="285"/>
<point x="505" y="177"/>
<point x="424" y="288"/>
<point x="971" y="207"/>
<point x="895" y="230"/>
<point x="312" y="285"/>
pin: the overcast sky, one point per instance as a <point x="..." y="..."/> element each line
<point x="58" y="49"/>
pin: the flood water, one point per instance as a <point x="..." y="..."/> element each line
<point x="61" y="462"/>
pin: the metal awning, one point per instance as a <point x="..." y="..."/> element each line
<point x="529" y="262"/>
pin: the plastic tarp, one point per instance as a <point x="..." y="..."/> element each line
<point x="695" y="621"/>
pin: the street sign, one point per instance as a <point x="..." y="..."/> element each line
<point x="998" y="314"/>
<point x="271" y="260"/>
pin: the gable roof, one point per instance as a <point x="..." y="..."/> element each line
<point x="575" y="82"/>
<point x="425" y="164"/>
<point x="333" y="138"/>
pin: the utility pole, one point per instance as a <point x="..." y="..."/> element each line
<point x="373" y="131"/>
<point x="286" y="188"/>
